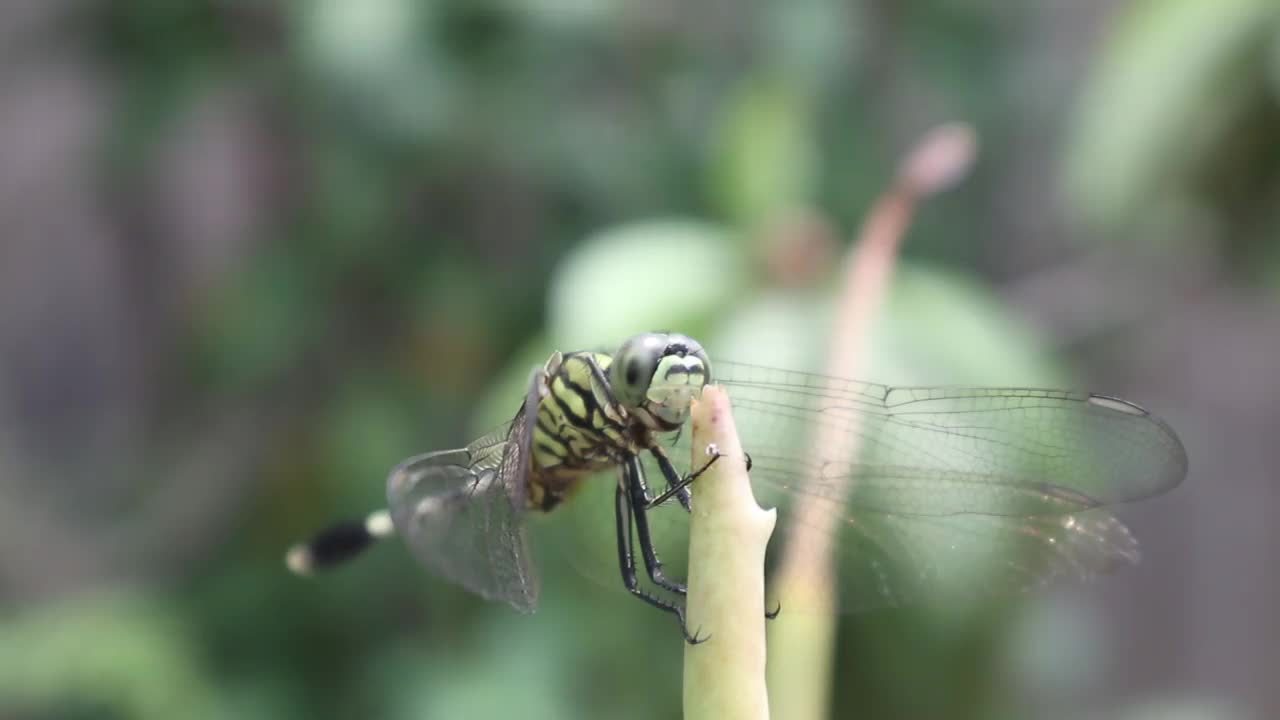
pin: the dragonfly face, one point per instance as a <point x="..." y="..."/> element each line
<point x="957" y="491"/>
<point x="657" y="376"/>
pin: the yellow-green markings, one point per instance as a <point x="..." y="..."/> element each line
<point x="578" y="430"/>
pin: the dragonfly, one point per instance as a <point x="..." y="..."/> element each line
<point x="969" y="489"/>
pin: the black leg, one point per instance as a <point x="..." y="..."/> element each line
<point x="673" y="489"/>
<point x="627" y="563"/>
<point x="682" y="484"/>
<point x="633" y="473"/>
<point x="675" y="483"/>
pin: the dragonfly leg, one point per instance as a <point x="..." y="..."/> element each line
<point x="682" y="483"/>
<point x="633" y="478"/>
<point x="627" y="563"/>
<point x="675" y="484"/>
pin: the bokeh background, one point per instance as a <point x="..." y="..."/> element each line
<point x="254" y="253"/>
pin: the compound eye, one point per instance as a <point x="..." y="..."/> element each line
<point x="633" y="368"/>
<point x="638" y="371"/>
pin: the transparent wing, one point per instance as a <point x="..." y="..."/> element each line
<point x="946" y="451"/>
<point x="950" y="491"/>
<point x="893" y="560"/>
<point x="461" y="512"/>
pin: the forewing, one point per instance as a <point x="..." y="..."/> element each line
<point x="942" y="451"/>
<point x="461" y="512"/>
<point x="950" y="491"/>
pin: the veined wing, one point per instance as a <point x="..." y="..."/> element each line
<point x="950" y="450"/>
<point x="951" y="491"/>
<point x="461" y="512"/>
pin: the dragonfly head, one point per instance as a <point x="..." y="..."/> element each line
<point x="659" y="374"/>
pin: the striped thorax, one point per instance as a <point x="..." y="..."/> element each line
<point x="597" y="409"/>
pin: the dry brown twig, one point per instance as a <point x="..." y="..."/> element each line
<point x="725" y="676"/>
<point x="804" y="642"/>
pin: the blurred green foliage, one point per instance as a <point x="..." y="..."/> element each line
<point x="460" y="188"/>
<point x="1175" y="118"/>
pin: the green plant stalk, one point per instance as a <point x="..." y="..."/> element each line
<point x="724" y="677"/>
<point x="804" y="643"/>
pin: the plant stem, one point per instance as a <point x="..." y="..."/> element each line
<point x="724" y="677"/>
<point x="805" y="641"/>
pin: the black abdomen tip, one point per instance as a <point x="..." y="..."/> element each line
<point x="332" y="546"/>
